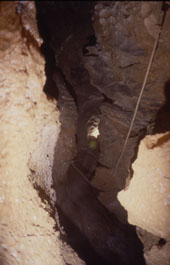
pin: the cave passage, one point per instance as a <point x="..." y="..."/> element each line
<point x="96" y="235"/>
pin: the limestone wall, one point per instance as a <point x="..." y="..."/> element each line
<point x="27" y="120"/>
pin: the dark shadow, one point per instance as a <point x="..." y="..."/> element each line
<point x="141" y="135"/>
<point x="162" y="123"/>
<point x="67" y="84"/>
<point x="75" y="238"/>
<point x="97" y="236"/>
<point x="79" y="242"/>
<point x="161" y="242"/>
<point x="50" y="87"/>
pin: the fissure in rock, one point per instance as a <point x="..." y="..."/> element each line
<point x="94" y="122"/>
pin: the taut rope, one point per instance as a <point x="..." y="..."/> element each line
<point x="140" y="95"/>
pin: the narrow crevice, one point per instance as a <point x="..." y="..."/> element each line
<point x="78" y="241"/>
<point x="46" y="200"/>
<point x="162" y="123"/>
<point x="96" y="235"/>
<point x="68" y="86"/>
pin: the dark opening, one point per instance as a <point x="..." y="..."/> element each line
<point x="97" y="236"/>
<point x="161" y="242"/>
<point x="162" y="123"/>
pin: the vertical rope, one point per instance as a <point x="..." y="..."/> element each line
<point x="139" y="98"/>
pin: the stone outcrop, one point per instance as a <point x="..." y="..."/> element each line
<point x="147" y="199"/>
<point x="124" y="44"/>
<point x="29" y="129"/>
<point x="102" y="51"/>
<point x="158" y="255"/>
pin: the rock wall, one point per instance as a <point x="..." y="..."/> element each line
<point x="29" y="129"/>
<point x="103" y="50"/>
<point x="125" y="33"/>
<point x="109" y="58"/>
<point x="147" y="199"/>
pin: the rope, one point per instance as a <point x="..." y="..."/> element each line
<point x="84" y="177"/>
<point x="80" y="172"/>
<point x="139" y="98"/>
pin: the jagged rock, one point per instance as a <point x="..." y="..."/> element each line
<point x="147" y="199"/>
<point x="118" y="72"/>
<point x="102" y="50"/>
<point x="158" y="255"/>
<point x="29" y="129"/>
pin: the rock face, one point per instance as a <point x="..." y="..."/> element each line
<point x="124" y="44"/>
<point x="100" y="237"/>
<point x="158" y="255"/>
<point x="147" y="199"/>
<point x="109" y="57"/>
<point x="148" y="196"/>
<point x="29" y="129"/>
<point x="102" y="51"/>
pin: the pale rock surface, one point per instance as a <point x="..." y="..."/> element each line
<point x="147" y="198"/>
<point x="29" y="128"/>
<point x="158" y="255"/>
